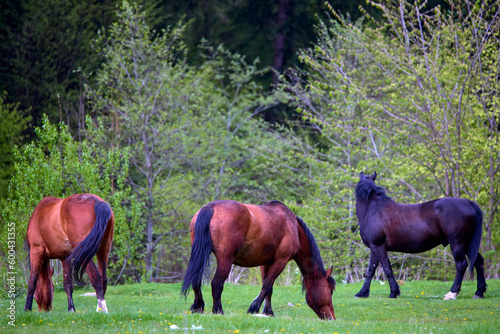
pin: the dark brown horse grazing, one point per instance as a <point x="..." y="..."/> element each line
<point x="73" y="230"/>
<point x="248" y="235"/>
<point x="413" y="228"/>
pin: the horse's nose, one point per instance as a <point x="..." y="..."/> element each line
<point x="328" y="313"/>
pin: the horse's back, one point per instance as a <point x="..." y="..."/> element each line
<point x="253" y="233"/>
<point x="415" y="228"/>
<point x="58" y="225"/>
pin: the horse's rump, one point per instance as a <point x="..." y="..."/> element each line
<point x="73" y="230"/>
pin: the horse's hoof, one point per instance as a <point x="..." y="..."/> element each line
<point x="477" y="297"/>
<point x="450" y="295"/>
<point x="359" y="295"/>
<point x="197" y="310"/>
<point x="217" y="310"/>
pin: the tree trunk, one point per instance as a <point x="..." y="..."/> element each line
<point x="280" y="41"/>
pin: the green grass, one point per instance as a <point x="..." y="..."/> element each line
<point x="153" y="308"/>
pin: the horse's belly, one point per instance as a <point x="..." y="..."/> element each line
<point x="57" y="249"/>
<point x="253" y="256"/>
<point x="415" y="245"/>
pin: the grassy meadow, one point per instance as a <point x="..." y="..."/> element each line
<point x="159" y="308"/>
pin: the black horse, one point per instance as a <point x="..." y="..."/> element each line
<point x="413" y="228"/>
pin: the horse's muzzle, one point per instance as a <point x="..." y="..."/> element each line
<point x="327" y="313"/>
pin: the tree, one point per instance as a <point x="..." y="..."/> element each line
<point x="335" y="136"/>
<point x="423" y="86"/>
<point x="436" y="108"/>
<point x="191" y="130"/>
<point x="46" y="47"/>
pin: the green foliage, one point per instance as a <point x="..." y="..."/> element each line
<point x="244" y="158"/>
<point x="14" y="124"/>
<point x="333" y="111"/>
<point x="411" y="95"/>
<point x="193" y="132"/>
<point x="56" y="165"/>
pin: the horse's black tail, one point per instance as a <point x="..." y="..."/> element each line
<point x="85" y="251"/>
<point x="200" y="250"/>
<point x="476" y="238"/>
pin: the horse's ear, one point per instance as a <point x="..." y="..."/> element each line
<point x="329" y="271"/>
<point x="374" y="176"/>
<point x="361" y="176"/>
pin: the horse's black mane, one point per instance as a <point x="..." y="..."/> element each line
<point x="319" y="267"/>
<point x="313" y="246"/>
<point x="366" y="187"/>
<point x="274" y="202"/>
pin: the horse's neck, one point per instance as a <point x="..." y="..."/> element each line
<point x="361" y="211"/>
<point x="304" y="259"/>
<point x="370" y="207"/>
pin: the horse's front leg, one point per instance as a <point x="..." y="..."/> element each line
<point x="267" y="304"/>
<point x="68" y="283"/>
<point x="372" y="267"/>
<point x="270" y="273"/>
<point x="268" y="310"/>
<point x="221" y="274"/>
<point x="381" y="254"/>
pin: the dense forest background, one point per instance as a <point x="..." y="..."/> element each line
<point x="162" y="106"/>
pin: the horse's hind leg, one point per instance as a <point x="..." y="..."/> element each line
<point x="481" y="281"/>
<point x="68" y="283"/>
<point x="102" y="256"/>
<point x="221" y="274"/>
<point x="97" y="283"/>
<point x="372" y="267"/>
<point x="36" y="264"/>
<point x="198" y="304"/>
<point x="461" y="267"/>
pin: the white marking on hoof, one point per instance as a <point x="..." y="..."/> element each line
<point x="450" y="295"/>
<point x="101" y="306"/>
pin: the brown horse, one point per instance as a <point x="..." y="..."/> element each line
<point x="73" y="230"/>
<point x="248" y="235"/>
